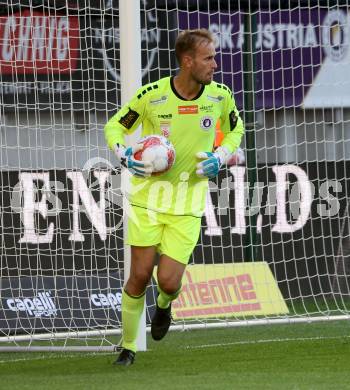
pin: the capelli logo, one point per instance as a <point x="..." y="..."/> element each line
<point x="165" y="116"/>
<point x="109" y="300"/>
<point x="42" y="305"/>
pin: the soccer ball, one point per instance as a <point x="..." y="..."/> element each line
<point x="236" y="158"/>
<point x="157" y="150"/>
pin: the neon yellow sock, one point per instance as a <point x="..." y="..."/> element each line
<point x="132" y="308"/>
<point x="164" y="299"/>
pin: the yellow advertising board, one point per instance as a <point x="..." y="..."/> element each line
<point x="228" y="290"/>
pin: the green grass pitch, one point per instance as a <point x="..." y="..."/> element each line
<point x="284" y="357"/>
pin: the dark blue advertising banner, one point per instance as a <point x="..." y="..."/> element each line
<point x="63" y="303"/>
<point x="69" y="223"/>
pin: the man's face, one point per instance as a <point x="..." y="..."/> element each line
<point x="203" y="63"/>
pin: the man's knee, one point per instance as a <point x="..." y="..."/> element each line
<point x="138" y="281"/>
<point x="168" y="283"/>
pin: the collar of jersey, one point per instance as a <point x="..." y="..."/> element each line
<point x="182" y="98"/>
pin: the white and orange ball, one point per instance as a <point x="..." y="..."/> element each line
<point x="157" y="150"/>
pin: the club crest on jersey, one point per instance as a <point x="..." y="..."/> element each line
<point x="165" y="128"/>
<point x="206" y="123"/>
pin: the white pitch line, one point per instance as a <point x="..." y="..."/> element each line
<point x="62" y="355"/>
<point x="246" y="342"/>
<point x="266" y="341"/>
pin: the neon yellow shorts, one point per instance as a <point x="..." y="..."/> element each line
<point x="173" y="235"/>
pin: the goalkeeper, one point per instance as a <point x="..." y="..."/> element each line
<point x="165" y="210"/>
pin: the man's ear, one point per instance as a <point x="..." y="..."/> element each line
<point x="187" y="61"/>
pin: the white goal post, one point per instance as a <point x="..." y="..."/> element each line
<point x="275" y="233"/>
<point x="130" y="81"/>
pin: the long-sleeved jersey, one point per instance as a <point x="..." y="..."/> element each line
<point x="190" y="126"/>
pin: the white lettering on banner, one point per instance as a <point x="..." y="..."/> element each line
<point x="181" y="193"/>
<point x="30" y="207"/>
<point x="300" y="201"/>
<point x="7" y="49"/>
<point x="223" y="32"/>
<point x="292" y="35"/>
<point x="291" y="210"/>
<point x="240" y="39"/>
<point x="213" y="229"/>
<point x="310" y="36"/>
<point x="44" y="87"/>
<point x="239" y="185"/>
<point x="96" y="214"/>
<point x="333" y="202"/>
<point x="304" y="204"/>
<point x="62" y="41"/>
<point x="332" y="34"/>
<point x="268" y="36"/>
<point x="23" y="39"/>
<point x="163" y="192"/>
<point x="265" y="39"/>
<point x="107" y="300"/>
<point x="41" y="305"/>
<point x="32" y="42"/>
<point x="38" y="44"/>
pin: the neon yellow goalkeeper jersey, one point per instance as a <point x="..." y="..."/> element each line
<point x="190" y="126"/>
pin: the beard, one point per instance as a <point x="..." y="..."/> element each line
<point x="201" y="80"/>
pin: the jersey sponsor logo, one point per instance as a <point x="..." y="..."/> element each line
<point x="41" y="305"/>
<point x="165" y="128"/>
<point x="215" y="99"/>
<point x="233" y="120"/>
<point x="206" y="108"/>
<point x="188" y="109"/>
<point x="207" y="122"/>
<point x="129" y="118"/>
<point x="161" y="100"/>
<point x="165" y="116"/>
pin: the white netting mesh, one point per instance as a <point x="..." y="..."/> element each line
<point x="62" y="239"/>
<point x="61" y="231"/>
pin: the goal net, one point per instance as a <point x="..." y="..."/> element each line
<point x="275" y="224"/>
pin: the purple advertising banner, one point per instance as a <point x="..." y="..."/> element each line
<point x="299" y="55"/>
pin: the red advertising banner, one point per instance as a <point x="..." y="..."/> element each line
<point x="35" y="43"/>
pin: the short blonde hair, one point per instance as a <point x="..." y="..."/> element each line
<point x="188" y="40"/>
